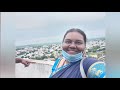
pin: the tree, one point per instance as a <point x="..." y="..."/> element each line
<point x="22" y="57"/>
<point x="43" y="57"/>
<point x="33" y="55"/>
<point x="32" y="58"/>
<point x="52" y="56"/>
<point x="89" y="50"/>
<point x="38" y="58"/>
<point x="95" y="48"/>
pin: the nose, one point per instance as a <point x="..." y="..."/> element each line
<point x="72" y="45"/>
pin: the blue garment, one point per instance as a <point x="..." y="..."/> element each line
<point x="54" y="67"/>
<point x="93" y="69"/>
<point x="72" y="58"/>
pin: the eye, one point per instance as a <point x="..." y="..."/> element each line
<point x="78" y="43"/>
<point x="67" y="42"/>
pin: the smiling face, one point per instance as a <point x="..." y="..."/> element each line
<point x="73" y="43"/>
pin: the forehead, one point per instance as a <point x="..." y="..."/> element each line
<point x="74" y="36"/>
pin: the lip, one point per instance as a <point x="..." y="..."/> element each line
<point x="71" y="52"/>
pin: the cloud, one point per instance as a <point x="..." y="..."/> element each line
<point x="36" y="27"/>
<point x="27" y="20"/>
<point x="58" y="38"/>
<point x="95" y="33"/>
<point x="49" y="39"/>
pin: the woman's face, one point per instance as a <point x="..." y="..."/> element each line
<point x="73" y="43"/>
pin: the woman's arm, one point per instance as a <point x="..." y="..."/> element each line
<point x="97" y="70"/>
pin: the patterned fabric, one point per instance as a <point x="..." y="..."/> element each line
<point x="97" y="70"/>
<point x="55" y="69"/>
<point x="93" y="69"/>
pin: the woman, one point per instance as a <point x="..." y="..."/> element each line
<point x="74" y="63"/>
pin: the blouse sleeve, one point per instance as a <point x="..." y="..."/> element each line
<point x="97" y="70"/>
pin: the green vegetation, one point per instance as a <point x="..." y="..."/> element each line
<point x="52" y="56"/>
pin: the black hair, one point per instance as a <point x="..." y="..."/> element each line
<point x="76" y="30"/>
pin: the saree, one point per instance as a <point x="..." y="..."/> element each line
<point x="73" y="69"/>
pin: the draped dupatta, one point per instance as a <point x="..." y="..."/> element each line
<point x="71" y="71"/>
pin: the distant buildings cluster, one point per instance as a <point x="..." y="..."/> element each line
<point x="40" y="52"/>
<point x="94" y="48"/>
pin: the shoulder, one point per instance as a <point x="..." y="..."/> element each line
<point x="96" y="68"/>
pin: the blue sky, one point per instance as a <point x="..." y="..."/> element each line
<point x="43" y="27"/>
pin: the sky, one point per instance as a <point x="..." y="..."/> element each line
<point x="47" y="27"/>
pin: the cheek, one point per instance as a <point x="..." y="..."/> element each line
<point x="64" y="47"/>
<point x="81" y="48"/>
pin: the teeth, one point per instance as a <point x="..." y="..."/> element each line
<point x="72" y="51"/>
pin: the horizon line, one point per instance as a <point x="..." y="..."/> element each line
<point x="54" y="42"/>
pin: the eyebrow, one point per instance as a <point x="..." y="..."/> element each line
<point x="67" y="39"/>
<point x="71" y="40"/>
